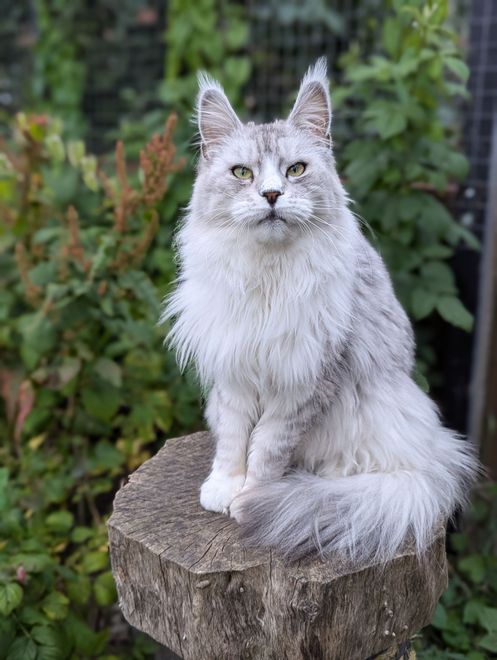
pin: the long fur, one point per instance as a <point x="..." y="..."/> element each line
<point x="324" y="441"/>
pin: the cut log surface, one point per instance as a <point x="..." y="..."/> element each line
<point x="185" y="577"/>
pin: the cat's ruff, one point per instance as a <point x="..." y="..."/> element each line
<point x="324" y="441"/>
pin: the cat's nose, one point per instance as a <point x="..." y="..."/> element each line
<point x="271" y="196"/>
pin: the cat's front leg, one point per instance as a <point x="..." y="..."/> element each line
<point x="280" y="429"/>
<point x="230" y="415"/>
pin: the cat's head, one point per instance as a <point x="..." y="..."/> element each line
<point x="271" y="181"/>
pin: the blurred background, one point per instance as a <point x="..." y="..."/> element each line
<point x="93" y="178"/>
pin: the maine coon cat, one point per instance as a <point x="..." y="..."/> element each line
<point x="324" y="441"/>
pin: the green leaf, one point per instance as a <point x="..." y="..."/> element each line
<point x="392" y="34"/>
<point x="8" y="629"/>
<point x="459" y="541"/>
<point x="461" y="233"/>
<point x="472" y="611"/>
<point x="55" y="605"/>
<point x="105" y="457"/>
<point x="33" y="562"/>
<point x="105" y="589"/>
<point x="452" y="310"/>
<point x="421" y="381"/>
<point x="79" y="589"/>
<point x="39" y="337"/>
<point x="32" y="616"/>
<point x="389" y="121"/>
<point x="422" y="303"/>
<point x="44" y="273"/>
<point x="109" y="370"/>
<point x="435" y="251"/>
<point x="4" y="489"/>
<point x="474" y="567"/>
<point x="53" y="644"/>
<point x="489" y="642"/>
<point x="440" y="617"/>
<point x="10" y="597"/>
<point x="458" y="67"/>
<point x="75" y="152"/>
<point x="237" y="34"/>
<point x="143" y="289"/>
<point x="95" y="561"/>
<point x="89" y="643"/>
<point x="22" y="649"/>
<point x="438" y="276"/>
<point x="55" y="147"/>
<point x="60" y="521"/>
<point x="456" y="164"/>
<point x="68" y="371"/>
<point x="488" y="619"/>
<point x="101" y="401"/>
<point x="81" y="534"/>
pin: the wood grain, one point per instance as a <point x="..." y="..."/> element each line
<point x="184" y="577"/>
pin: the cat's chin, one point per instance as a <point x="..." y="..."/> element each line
<point x="273" y="229"/>
<point x="272" y="218"/>
<point x="273" y="232"/>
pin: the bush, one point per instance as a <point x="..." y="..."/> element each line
<point x="465" y="622"/>
<point x="400" y="156"/>
<point x="87" y="387"/>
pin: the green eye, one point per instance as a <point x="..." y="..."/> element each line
<point x="242" y="172"/>
<point x="297" y="169"/>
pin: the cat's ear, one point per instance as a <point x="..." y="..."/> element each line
<point x="216" y="118"/>
<point x="312" y="109"/>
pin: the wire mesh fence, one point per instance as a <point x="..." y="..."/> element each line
<point x="287" y="37"/>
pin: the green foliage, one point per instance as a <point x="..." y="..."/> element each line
<point x="201" y="35"/>
<point x="86" y="386"/>
<point x="465" y="622"/>
<point x="59" y="71"/>
<point x="204" y="35"/>
<point x="293" y="13"/>
<point x="399" y="154"/>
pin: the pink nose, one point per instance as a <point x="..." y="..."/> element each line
<point x="271" y="196"/>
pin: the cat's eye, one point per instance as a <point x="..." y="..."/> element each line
<point x="297" y="169"/>
<point x="242" y="172"/>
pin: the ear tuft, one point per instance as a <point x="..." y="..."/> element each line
<point x="312" y="109"/>
<point x="216" y="118"/>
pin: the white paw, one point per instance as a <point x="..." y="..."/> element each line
<point x="218" y="490"/>
<point x="236" y="507"/>
<point x="236" y="510"/>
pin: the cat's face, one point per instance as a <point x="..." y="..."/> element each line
<point x="275" y="181"/>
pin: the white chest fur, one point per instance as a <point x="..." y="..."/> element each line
<point x="257" y="316"/>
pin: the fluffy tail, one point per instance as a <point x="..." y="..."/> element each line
<point x="366" y="516"/>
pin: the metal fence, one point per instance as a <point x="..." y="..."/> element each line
<point x="287" y="37"/>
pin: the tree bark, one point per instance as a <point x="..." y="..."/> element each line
<point x="184" y="577"/>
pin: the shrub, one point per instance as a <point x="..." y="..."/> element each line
<point x="86" y="385"/>
<point x="400" y="156"/>
<point x="465" y="622"/>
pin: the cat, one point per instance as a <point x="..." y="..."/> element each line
<point x="324" y="441"/>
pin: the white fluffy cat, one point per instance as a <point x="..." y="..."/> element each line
<point x="324" y="441"/>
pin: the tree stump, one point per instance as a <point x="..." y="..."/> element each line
<point x="184" y="577"/>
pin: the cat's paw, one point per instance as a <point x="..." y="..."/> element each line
<point x="237" y="505"/>
<point x="236" y="509"/>
<point x="219" y="490"/>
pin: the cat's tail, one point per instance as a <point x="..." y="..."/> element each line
<point x="366" y="516"/>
